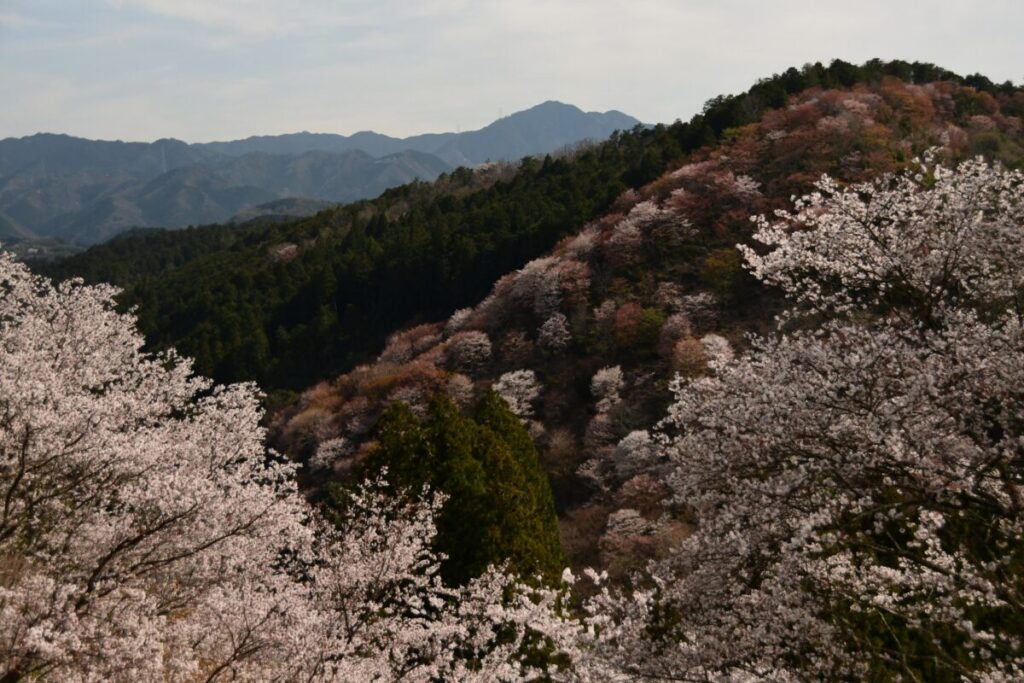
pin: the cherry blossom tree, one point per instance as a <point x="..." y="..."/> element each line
<point x="403" y="346"/>
<point x="469" y="351"/>
<point x="536" y="286"/>
<point x="855" y="478"/>
<point x="606" y="385"/>
<point x="138" y="504"/>
<point x="457" y="321"/>
<point x="519" y="389"/>
<point x="888" y="245"/>
<point x="717" y="349"/>
<point x="147" y="534"/>
<point x="382" y="613"/>
<point x="554" y="334"/>
<point x="329" y="451"/>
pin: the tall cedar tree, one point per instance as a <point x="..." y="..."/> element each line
<point x="498" y="506"/>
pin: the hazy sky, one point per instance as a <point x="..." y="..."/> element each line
<point x="220" y="69"/>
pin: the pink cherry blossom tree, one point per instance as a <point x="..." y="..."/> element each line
<point x="147" y="534"/>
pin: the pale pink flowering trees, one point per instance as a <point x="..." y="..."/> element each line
<point x="855" y="479"/>
<point x="138" y="507"/>
<point x="890" y="244"/>
<point x="469" y="351"/>
<point x="146" y="534"/>
<point x="854" y="482"/>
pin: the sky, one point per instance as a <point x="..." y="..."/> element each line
<point x="202" y="70"/>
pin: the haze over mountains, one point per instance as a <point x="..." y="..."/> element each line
<point x="86" y="191"/>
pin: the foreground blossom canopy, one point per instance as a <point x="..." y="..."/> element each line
<point x="146" y="534"/>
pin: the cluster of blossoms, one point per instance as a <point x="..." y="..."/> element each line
<point x="520" y="389"/>
<point x="606" y="385"/>
<point x="554" y="334"/>
<point x="468" y="351"/>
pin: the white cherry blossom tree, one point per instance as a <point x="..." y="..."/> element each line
<point x="856" y="478"/>
<point x="554" y="334"/>
<point x="520" y="389"/>
<point x="606" y="385"/>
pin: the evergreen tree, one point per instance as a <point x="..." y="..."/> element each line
<point x="498" y="505"/>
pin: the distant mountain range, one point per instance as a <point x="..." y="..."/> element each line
<point x="86" y="191"/>
<point x="537" y="130"/>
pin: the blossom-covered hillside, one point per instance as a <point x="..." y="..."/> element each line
<point x="584" y="342"/>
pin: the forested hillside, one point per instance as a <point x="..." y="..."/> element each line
<point x="287" y="305"/>
<point x="584" y="341"/>
<point x="833" y="499"/>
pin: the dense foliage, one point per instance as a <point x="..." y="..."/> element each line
<point x="290" y="304"/>
<point x="498" y="506"/>
<point x="287" y="305"/>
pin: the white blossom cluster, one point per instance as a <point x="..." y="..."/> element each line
<point x="888" y="244"/>
<point x="536" y="286"/>
<point x="554" y="334"/>
<point x="468" y="351"/>
<point x="606" y="385"/>
<point x="457" y="321"/>
<point x="520" y="389"/>
<point x="717" y="349"/>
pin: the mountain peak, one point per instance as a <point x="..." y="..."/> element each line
<point x="553" y="104"/>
